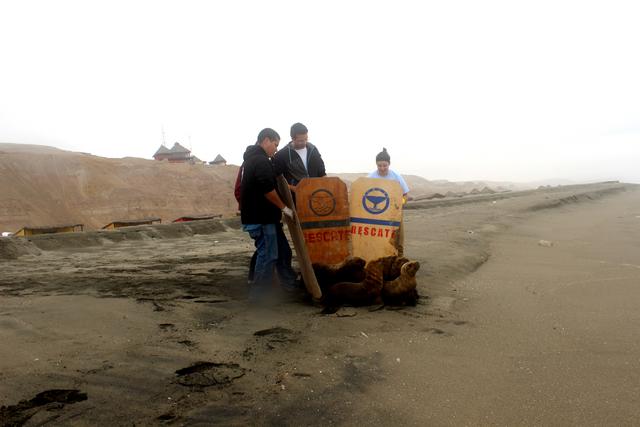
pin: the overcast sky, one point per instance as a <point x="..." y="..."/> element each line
<point x="458" y="90"/>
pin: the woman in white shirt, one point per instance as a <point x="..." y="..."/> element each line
<point x="383" y="160"/>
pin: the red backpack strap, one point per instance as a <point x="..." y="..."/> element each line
<point x="237" y="187"/>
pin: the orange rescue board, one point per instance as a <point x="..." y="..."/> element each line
<point x="376" y="214"/>
<point x="323" y="208"/>
<point x="295" y="231"/>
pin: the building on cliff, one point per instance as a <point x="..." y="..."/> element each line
<point x="219" y="160"/>
<point x="49" y="229"/>
<point x="177" y="154"/>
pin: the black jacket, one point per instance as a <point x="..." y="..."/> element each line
<point x="258" y="179"/>
<point x="288" y="162"/>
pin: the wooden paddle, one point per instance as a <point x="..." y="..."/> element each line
<point x="299" y="244"/>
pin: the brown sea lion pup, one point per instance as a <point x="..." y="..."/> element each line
<point x="392" y="265"/>
<point x="349" y="270"/>
<point x="366" y="292"/>
<point x="402" y="291"/>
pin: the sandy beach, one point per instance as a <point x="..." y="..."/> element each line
<point x="527" y="316"/>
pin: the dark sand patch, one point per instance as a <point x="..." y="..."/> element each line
<point x="48" y="400"/>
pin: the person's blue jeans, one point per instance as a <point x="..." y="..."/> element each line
<point x="272" y="249"/>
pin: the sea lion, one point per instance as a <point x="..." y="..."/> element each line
<point x="366" y="292"/>
<point x="350" y="270"/>
<point x="402" y="291"/>
<point x="392" y="265"/>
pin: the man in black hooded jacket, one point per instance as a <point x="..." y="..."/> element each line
<point x="299" y="159"/>
<point x="261" y="210"/>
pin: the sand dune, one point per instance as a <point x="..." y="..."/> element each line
<point x="44" y="186"/>
<point x="152" y="325"/>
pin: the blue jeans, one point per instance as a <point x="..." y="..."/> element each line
<point x="272" y="250"/>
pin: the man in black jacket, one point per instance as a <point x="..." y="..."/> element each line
<point x="261" y="210"/>
<point x="299" y="159"/>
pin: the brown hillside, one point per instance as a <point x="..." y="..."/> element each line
<point x="46" y="186"/>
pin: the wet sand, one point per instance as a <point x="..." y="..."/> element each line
<point x="154" y="326"/>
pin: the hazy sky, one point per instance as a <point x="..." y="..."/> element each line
<point x="496" y="90"/>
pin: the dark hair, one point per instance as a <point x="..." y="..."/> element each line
<point x="383" y="156"/>
<point x="298" y="129"/>
<point x="267" y="133"/>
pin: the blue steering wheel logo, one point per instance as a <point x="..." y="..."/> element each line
<point x="375" y="201"/>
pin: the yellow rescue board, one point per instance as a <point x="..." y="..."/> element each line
<point x="376" y="214"/>
<point x="323" y="208"/>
